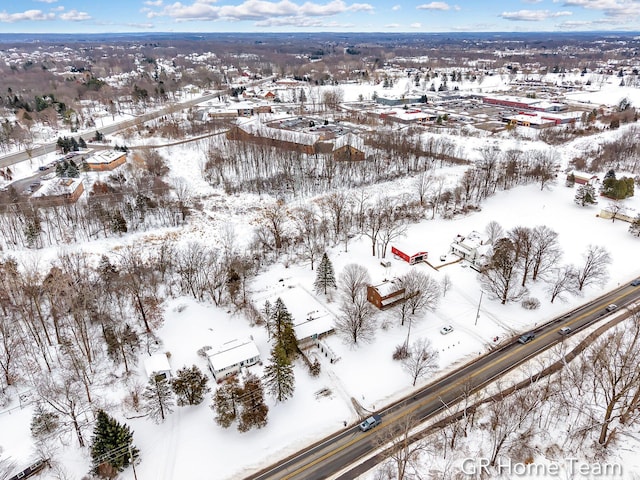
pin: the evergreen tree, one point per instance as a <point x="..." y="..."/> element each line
<point x="278" y="376"/>
<point x="112" y="447"/>
<point x="72" y="171"/>
<point x="585" y="195"/>
<point x="325" y="278"/>
<point x="282" y="328"/>
<point x="190" y="385"/>
<point x="81" y="143"/>
<point x="571" y="180"/>
<point x="118" y="222"/>
<point x="44" y="422"/>
<point x="253" y="409"/>
<point x="634" y="228"/>
<point x="225" y="402"/>
<point x="158" y="399"/>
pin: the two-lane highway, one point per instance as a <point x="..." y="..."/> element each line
<point x="333" y="454"/>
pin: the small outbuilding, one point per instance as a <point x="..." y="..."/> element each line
<point x="158" y="365"/>
<point x="409" y="254"/>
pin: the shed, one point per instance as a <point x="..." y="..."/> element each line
<point x="231" y="356"/>
<point x="158" y="365"/>
<point x="409" y="254"/>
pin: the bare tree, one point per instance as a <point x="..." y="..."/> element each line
<point x="357" y="322"/>
<point x="446" y="284"/>
<point x="308" y="229"/>
<point x="422" y="292"/>
<point x="422" y="184"/>
<point x="563" y="280"/>
<point x="273" y="218"/>
<point x="422" y="360"/>
<point x="498" y="279"/>
<point x="615" y="363"/>
<point x="523" y="243"/>
<point x="615" y="208"/>
<point x="594" y="270"/>
<point x="546" y="250"/>
<point x="404" y="453"/>
<point x="494" y="231"/>
<point x="353" y="280"/>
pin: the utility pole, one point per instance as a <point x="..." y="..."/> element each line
<point x="133" y="462"/>
<point x="479" y="303"/>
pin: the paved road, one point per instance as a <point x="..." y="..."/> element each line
<point x="335" y="454"/>
<point x="9" y="160"/>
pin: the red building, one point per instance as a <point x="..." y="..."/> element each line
<point x="405" y="254"/>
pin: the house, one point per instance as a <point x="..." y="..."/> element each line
<point x="317" y="325"/>
<point x="626" y="214"/>
<point x="158" y="365"/>
<point x="386" y="294"/>
<point x="473" y="247"/>
<point x="106" y="160"/>
<point x="409" y="254"/>
<point x="582" y="178"/>
<point x="257" y="132"/>
<point x="230" y="357"/>
<point x="59" y="191"/>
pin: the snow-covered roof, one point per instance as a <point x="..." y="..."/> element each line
<point x="314" y="326"/>
<point x="388" y="287"/>
<point x="58" y="186"/>
<point x="106" y="156"/>
<point x="408" y="247"/>
<point x="231" y="353"/>
<point x="349" y="139"/>
<point x="157" y="363"/>
<point x="255" y="127"/>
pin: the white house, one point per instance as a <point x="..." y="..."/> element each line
<point x="230" y="357"/>
<point x="472" y="247"/>
<point x="158" y="365"/>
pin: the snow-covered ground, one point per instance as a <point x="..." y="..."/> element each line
<point x="189" y="442"/>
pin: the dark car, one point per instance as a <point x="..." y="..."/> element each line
<point x="526" y="338"/>
<point x="43" y="168"/>
<point x="636" y="282"/>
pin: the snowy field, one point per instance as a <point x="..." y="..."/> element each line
<point x="189" y="442"/>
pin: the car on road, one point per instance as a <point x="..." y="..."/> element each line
<point x="635" y="282"/>
<point x="611" y="307"/>
<point x="564" y="331"/>
<point x="526" y="338"/>
<point x="447" y="329"/>
<point x="370" y="422"/>
<point x="43" y="168"/>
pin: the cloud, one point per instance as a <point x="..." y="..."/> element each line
<point x="392" y="25"/>
<point x="416" y="25"/>
<point x="75" y="16"/>
<point x="434" y="6"/>
<point x="258" y="10"/>
<point x="153" y="3"/>
<point x="395" y="8"/>
<point x="141" y="25"/>
<point x="611" y="8"/>
<point x="46" y="1"/>
<point x="532" y="1"/>
<point x="28" y="15"/>
<point x="303" y="22"/>
<point x="532" y="15"/>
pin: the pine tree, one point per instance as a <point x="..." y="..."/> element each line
<point x="44" y="422"/>
<point x="190" y="385"/>
<point x="585" y="195"/>
<point x="278" y="376"/>
<point x="225" y="402"/>
<point x="157" y="398"/>
<point x="81" y="143"/>
<point x="282" y="328"/>
<point x="253" y="409"/>
<point x="325" y="277"/>
<point x="634" y="228"/>
<point x="112" y="447"/>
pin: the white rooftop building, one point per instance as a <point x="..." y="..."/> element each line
<point x="231" y="356"/>
<point x="158" y="365"/>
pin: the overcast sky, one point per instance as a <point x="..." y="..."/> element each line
<point x="71" y="16"/>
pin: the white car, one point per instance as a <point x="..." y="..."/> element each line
<point x="447" y="329"/>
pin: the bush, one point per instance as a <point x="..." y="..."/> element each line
<point x="530" y="303"/>
<point x="401" y="352"/>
